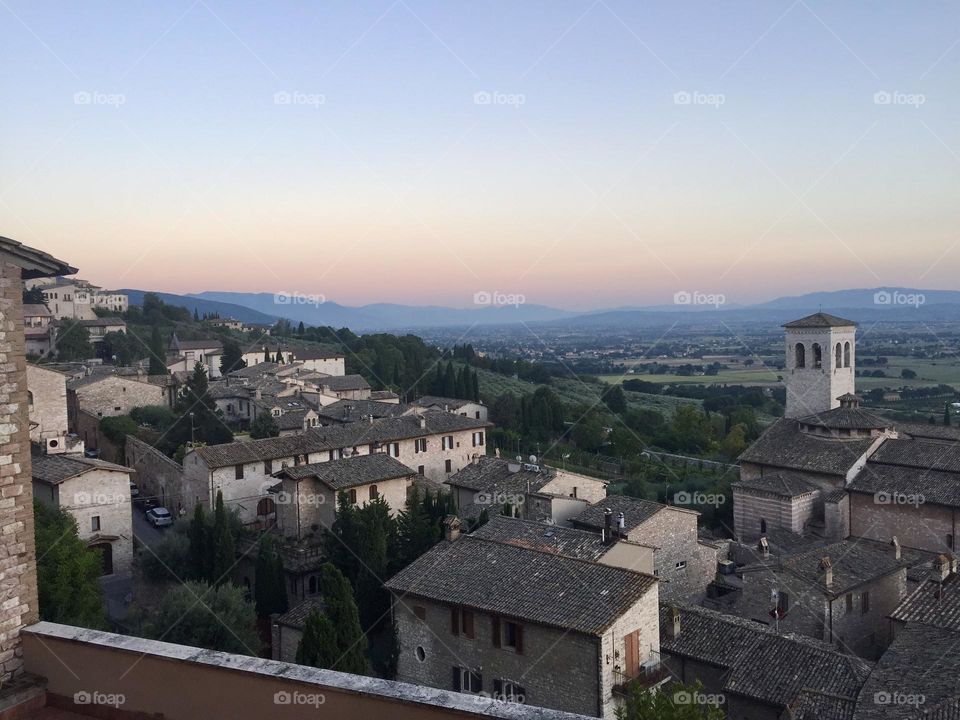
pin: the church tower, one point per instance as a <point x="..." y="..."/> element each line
<point x="821" y="357"/>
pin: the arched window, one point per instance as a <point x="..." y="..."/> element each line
<point x="352" y="494"/>
<point x="838" y="363"/>
<point x="846" y="354"/>
<point x="817" y="356"/>
<point x="801" y="355"/>
<point x="374" y="494"/>
<point x="265" y="507"/>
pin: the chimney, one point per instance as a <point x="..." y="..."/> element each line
<point x="608" y="526"/>
<point x="423" y="422"/>
<point x="621" y="522"/>
<point x="451" y="528"/>
<point x="673" y="624"/>
<point x="941" y="568"/>
<point x="371" y="418"/>
<point x="827" y="568"/>
<point x="764" y="547"/>
<point x="895" y="544"/>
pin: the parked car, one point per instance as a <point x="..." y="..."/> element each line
<point x="159" y="517"/>
<point x="134" y="490"/>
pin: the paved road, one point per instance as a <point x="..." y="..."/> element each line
<point x="145" y="533"/>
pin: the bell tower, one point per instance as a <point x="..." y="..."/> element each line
<point x="821" y="357"/>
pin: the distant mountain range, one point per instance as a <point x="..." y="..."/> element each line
<point x="862" y="305"/>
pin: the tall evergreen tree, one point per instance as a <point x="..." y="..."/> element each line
<point x="449" y="381"/>
<point x="264" y="426"/>
<point x="341" y="608"/>
<point x="199" y="545"/>
<point x="232" y="358"/>
<point x="475" y="387"/>
<point x="224" y="556"/>
<point x="300" y="329"/>
<point x="946" y="413"/>
<point x="158" y="353"/>
<point x="270" y="590"/>
<point x="318" y="646"/>
<point x="196" y="315"/>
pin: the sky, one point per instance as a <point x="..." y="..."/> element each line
<point x="581" y="153"/>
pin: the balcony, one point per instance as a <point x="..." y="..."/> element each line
<point x="651" y="673"/>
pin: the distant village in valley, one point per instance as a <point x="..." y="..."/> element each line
<point x="455" y="519"/>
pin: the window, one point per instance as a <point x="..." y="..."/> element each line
<point x="420" y="445"/>
<point x="950" y="541"/>
<point x="446" y="442"/>
<point x="393" y="449"/>
<point x="29" y="398"/>
<point x="312" y="585"/>
<point x="266" y="506"/>
<point x="465" y="680"/>
<point x="95" y="523"/>
<point x="449" y="466"/>
<point x="849" y="603"/>
<point x="681" y="565"/>
<point x="352" y="496"/>
<point x="238" y="472"/>
<point x="846" y="354"/>
<point x="268" y="467"/>
<point x="838" y="360"/>
<point x="374" y="494"/>
<point x="507" y="634"/>
<point x="461" y="622"/>
<point x="477" y="439"/>
<point x="420" y="611"/>
<point x="419" y="469"/>
<point x="508" y="691"/>
<point x="817" y="356"/>
<point x="421" y="653"/>
<point x="763" y="526"/>
<point x="800" y="356"/>
<point x="865" y="602"/>
<point x="477" y="414"/>
<point x="783" y="602"/>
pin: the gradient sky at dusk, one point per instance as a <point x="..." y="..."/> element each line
<point x="583" y="184"/>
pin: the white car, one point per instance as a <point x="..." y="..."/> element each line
<point x="159" y="517"/>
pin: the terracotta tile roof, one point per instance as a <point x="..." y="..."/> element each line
<point x="926" y="486"/>
<point x="497" y="475"/>
<point x="785" y="484"/>
<point x="784" y="445"/>
<point x="296" y="617"/>
<point x="635" y="510"/>
<point x="847" y="418"/>
<point x="536" y="587"/>
<point x="540" y="536"/>
<point x="922" y="454"/>
<point x="54" y="469"/>
<point x="350" y="472"/>
<point x="820" y="320"/>
<point x="932" y="603"/>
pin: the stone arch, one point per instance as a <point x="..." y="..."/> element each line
<point x="817" y="356"/>
<point x="839" y="357"/>
<point x="800" y="355"/>
<point x="846" y="354"/>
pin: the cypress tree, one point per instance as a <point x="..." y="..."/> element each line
<point x="270" y="590"/>
<point x="476" y="387"/>
<point x="342" y="611"/>
<point x="223" y="555"/>
<point x="199" y="545"/>
<point x="158" y="354"/>
<point x="318" y="646"/>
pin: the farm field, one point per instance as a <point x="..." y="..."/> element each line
<point x="929" y="372"/>
<point x="758" y="376"/>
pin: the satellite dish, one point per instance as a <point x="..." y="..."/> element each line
<point x="533" y="458"/>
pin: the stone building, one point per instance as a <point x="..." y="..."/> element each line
<point x="97" y="495"/>
<point x="47" y="402"/>
<point x="190" y="352"/>
<point x="683" y="564"/>
<point x="841" y="594"/>
<point x="287" y="629"/>
<point x="162" y="478"/>
<point x="935" y="601"/>
<point x="529" y="490"/>
<point x="434" y="445"/>
<point x="821" y="359"/>
<point x="306" y="496"/>
<point x="39" y="330"/>
<point x="466" y="408"/>
<point x="521" y="625"/>
<point x="752" y="672"/>
<point x="18" y="578"/>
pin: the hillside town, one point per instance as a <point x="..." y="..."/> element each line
<point x="328" y="507"/>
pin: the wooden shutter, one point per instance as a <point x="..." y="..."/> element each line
<point x="495" y="630"/>
<point x="632" y="651"/>
<point x="468" y="624"/>
<point x="455" y="621"/>
<point x="456" y="679"/>
<point x="519" y="628"/>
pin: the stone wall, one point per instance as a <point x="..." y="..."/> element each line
<point x="18" y="573"/>
<point x="836" y="518"/>
<point x="674" y="533"/>
<point x="48" y="407"/>
<point x="161" y="477"/>
<point x="923" y="526"/>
